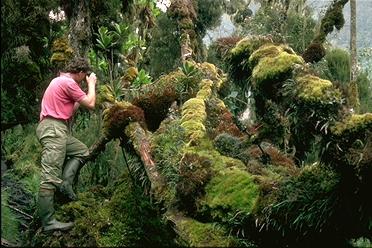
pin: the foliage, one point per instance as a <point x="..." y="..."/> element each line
<point x="365" y="92"/>
<point x="297" y="28"/>
<point x="120" y="215"/>
<point x="20" y="183"/>
<point x="168" y="143"/>
<point x="164" y="49"/>
<point x="9" y="223"/>
<point x="209" y="15"/>
<point x="24" y="56"/>
<point x="205" y="234"/>
<point x="338" y="66"/>
<point x="142" y="78"/>
<point x="304" y="204"/>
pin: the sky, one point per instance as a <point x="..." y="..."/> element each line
<point x="338" y="38"/>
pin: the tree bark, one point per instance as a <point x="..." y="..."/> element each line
<point x="354" y="96"/>
<point x="141" y="143"/>
<point x="80" y="35"/>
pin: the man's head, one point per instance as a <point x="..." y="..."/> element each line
<point x="79" y="67"/>
<point x="78" y="64"/>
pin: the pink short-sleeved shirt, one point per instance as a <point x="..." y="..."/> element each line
<point x="60" y="97"/>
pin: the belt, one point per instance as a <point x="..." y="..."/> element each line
<point x="54" y="118"/>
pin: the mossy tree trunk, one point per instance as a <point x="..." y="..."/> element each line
<point x="353" y="88"/>
<point x="333" y="18"/>
<point x="79" y="16"/>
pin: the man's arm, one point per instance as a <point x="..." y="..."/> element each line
<point x="76" y="107"/>
<point x="90" y="100"/>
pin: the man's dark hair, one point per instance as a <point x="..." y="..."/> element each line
<point x="78" y="64"/>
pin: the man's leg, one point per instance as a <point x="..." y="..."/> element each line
<point x="52" y="136"/>
<point x="46" y="212"/>
<point x="77" y="151"/>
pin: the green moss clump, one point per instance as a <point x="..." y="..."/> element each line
<point x="211" y="72"/>
<point x="117" y="216"/>
<point x="194" y="112"/>
<point x="230" y="192"/>
<point x="312" y="88"/>
<point x="353" y="124"/>
<point x="62" y="52"/>
<point x="237" y="59"/>
<point x="205" y="90"/>
<point x="272" y="70"/>
<point x="348" y="146"/>
<point x="205" y="234"/>
<point x="267" y="50"/>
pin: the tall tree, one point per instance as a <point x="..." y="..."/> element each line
<point x="353" y="58"/>
<point x="79" y="16"/>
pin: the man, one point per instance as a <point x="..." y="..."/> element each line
<point x="61" y="99"/>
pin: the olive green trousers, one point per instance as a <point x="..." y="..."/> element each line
<point x="57" y="144"/>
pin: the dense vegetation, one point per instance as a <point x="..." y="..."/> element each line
<point x="173" y="162"/>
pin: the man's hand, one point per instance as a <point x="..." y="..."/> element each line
<point x="90" y="100"/>
<point x="91" y="79"/>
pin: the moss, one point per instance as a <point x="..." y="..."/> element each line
<point x="267" y="50"/>
<point x="239" y="68"/>
<point x="62" y="52"/>
<point x="167" y="144"/>
<point x="353" y="124"/>
<point x="348" y="146"/>
<point x="105" y="94"/>
<point x="219" y="119"/>
<point x="211" y="72"/>
<point x="194" y="112"/>
<point x="205" y="234"/>
<point x="119" y="116"/>
<point x="312" y="88"/>
<point x="9" y="222"/>
<point x="205" y="92"/>
<point x="270" y="70"/>
<point x="249" y="44"/>
<point x="232" y="190"/>
<point x="303" y="203"/>
<point x="194" y="130"/>
<point x="194" y="172"/>
<point x="314" y="52"/>
<point x="120" y="215"/>
<point x="193" y="109"/>
<point x="155" y="99"/>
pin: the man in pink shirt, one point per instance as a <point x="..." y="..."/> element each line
<point x="61" y="99"/>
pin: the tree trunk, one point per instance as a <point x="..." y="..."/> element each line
<point x="80" y="27"/>
<point x="333" y="18"/>
<point x="354" y="96"/>
<point x="141" y="144"/>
